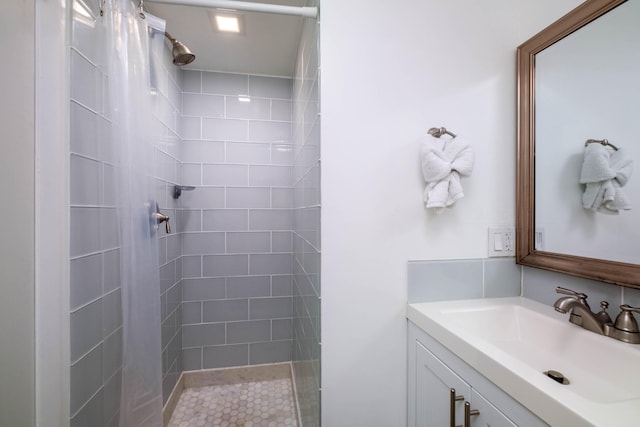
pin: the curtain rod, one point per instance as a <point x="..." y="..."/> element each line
<point x="307" y="12"/>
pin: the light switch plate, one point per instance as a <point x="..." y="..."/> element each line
<point x="502" y="241"/>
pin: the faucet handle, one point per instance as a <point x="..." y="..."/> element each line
<point x="625" y="320"/>
<point x="579" y="295"/>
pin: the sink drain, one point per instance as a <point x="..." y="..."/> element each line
<point x="556" y="376"/>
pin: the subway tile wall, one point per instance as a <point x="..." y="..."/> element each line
<point x="95" y="294"/>
<point x="306" y="224"/>
<point x="236" y="225"/>
<point x="463" y="279"/>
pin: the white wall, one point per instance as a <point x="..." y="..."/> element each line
<point x="389" y="73"/>
<point x="17" y="192"/>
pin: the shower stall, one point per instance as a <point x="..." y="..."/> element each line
<point x="230" y="163"/>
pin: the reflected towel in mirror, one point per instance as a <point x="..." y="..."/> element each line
<point x="605" y="172"/>
<point x="444" y="161"/>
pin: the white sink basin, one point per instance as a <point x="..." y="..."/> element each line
<point x="513" y="340"/>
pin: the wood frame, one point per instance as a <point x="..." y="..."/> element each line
<point x="618" y="273"/>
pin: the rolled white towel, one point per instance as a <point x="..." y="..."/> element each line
<point x="443" y="163"/>
<point x="604" y="173"/>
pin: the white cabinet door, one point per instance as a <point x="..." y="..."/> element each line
<point x="434" y="380"/>
<point x="489" y="415"/>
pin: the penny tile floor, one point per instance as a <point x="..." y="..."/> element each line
<point x="267" y="403"/>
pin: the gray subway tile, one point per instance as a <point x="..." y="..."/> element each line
<point x="86" y="329"/>
<point x="281" y="286"/>
<point x="444" y="280"/>
<point x="239" y="197"/>
<point x="91" y="414"/>
<point x="225" y="310"/>
<point x="112" y="354"/>
<point x="249" y="331"/>
<point x="224" y="356"/>
<point x="270" y="308"/>
<point x="270" y="264"/>
<point x="263" y="131"/>
<point x="270" y="87"/>
<point x="84" y="76"/>
<point x="111" y="312"/>
<point x="191" y="313"/>
<point x="270" y="352"/>
<point x="203" y="151"/>
<point x="225" y="265"/>
<point x="202" y="105"/>
<point x="281" y="198"/>
<point x="225" y="175"/>
<point x="204" y="334"/>
<point x="269" y="176"/>
<point x="191" y="266"/>
<point x="191" y="81"/>
<point x="203" y="243"/>
<point x="502" y="278"/>
<point x="248" y="242"/>
<point x="86" y="378"/>
<point x="111" y="397"/>
<point x="174" y="247"/>
<point x="225" y="220"/>
<point x="85" y="279"/>
<point x="281" y="154"/>
<point x="281" y="241"/>
<point x="254" y="108"/>
<point x="270" y="219"/>
<point x="83" y="131"/>
<point x="85" y="181"/>
<point x="227" y="129"/>
<point x="85" y="230"/>
<point x="203" y="289"/>
<point x="281" y="329"/>
<point x="225" y="83"/>
<point x="109" y="235"/>
<point x="192" y="359"/>
<point x="191" y="220"/>
<point x="204" y="198"/>
<point x="191" y="174"/>
<point x="248" y="286"/>
<point x="191" y="127"/>
<point x="281" y="109"/>
<point x="240" y="152"/>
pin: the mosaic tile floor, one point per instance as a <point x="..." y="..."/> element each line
<point x="268" y="403"/>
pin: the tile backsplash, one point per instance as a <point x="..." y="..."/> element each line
<point x="462" y="279"/>
<point x="490" y="278"/>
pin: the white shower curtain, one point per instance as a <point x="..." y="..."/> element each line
<point x="130" y="46"/>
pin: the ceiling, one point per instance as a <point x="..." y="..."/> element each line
<point x="268" y="46"/>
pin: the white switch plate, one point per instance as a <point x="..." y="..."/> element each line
<point x="502" y="241"/>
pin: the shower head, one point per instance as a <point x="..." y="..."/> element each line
<point x="181" y="54"/>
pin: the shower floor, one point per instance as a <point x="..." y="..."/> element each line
<point x="259" y="403"/>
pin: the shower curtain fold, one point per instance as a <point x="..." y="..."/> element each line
<point x="131" y="43"/>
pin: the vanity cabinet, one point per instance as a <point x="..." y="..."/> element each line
<point x="434" y="372"/>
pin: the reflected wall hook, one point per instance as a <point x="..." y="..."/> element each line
<point x="604" y="142"/>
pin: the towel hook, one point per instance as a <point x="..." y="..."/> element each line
<point x="604" y="142"/>
<point x="438" y="132"/>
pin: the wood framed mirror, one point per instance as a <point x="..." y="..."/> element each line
<point x="588" y="254"/>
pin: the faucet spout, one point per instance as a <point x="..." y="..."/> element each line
<point x="589" y="320"/>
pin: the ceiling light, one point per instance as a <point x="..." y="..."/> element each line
<point x="229" y="24"/>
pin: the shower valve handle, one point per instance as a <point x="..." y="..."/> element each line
<point x="160" y="217"/>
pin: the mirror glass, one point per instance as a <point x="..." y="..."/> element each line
<point x="587" y="86"/>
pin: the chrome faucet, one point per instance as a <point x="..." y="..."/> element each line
<point x="624" y="329"/>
